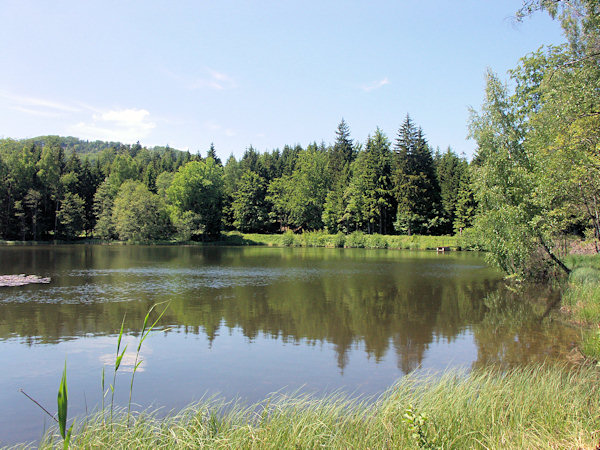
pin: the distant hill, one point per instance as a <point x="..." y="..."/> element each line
<point x="90" y="148"/>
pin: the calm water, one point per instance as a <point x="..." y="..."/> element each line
<point x="245" y="322"/>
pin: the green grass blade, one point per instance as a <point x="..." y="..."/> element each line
<point x="119" y="358"/>
<point x="67" y="438"/>
<point x="120" y="334"/>
<point x="145" y="335"/>
<point x="62" y="401"/>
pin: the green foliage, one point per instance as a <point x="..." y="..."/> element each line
<point x="466" y="206"/>
<point x="416" y="185"/>
<point x="43" y="181"/>
<point x="288" y="239"/>
<point x="370" y="203"/>
<point x="417" y="425"/>
<point x="71" y="215"/>
<point x="103" y="208"/>
<point x="62" y="400"/>
<point x="537" y="170"/>
<point x="196" y="195"/>
<point x="355" y="240"/>
<point x="512" y="222"/>
<point x="250" y="208"/>
<point x="138" y="214"/>
<point x="452" y="173"/>
<point x="590" y="344"/>
<point x="334" y="208"/>
<point x="298" y="198"/>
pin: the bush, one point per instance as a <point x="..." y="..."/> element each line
<point x="288" y="238"/>
<point x="355" y="240"/>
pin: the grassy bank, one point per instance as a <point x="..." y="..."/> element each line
<point x="538" y="407"/>
<point x="308" y="239"/>
<point x="340" y="240"/>
<point x="581" y="300"/>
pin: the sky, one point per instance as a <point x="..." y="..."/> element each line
<point x="260" y="73"/>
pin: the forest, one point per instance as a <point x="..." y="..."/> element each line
<point x="534" y="179"/>
<point x="55" y="187"/>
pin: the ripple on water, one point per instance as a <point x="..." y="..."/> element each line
<point x="121" y="285"/>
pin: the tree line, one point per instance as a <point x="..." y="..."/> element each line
<point x="129" y="192"/>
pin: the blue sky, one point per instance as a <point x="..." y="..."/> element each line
<point x="261" y="73"/>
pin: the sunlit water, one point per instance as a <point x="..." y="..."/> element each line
<point x="248" y="321"/>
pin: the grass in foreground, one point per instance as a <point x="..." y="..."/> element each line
<point x="536" y="407"/>
<point x="582" y="300"/>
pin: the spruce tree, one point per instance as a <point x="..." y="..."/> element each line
<point x="416" y="187"/>
<point x="213" y="154"/>
<point x="370" y="199"/>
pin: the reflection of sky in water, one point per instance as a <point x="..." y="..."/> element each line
<point x="252" y="326"/>
<point x="230" y="366"/>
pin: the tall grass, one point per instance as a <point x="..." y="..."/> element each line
<point x="535" y="407"/>
<point x="582" y="299"/>
<point x="356" y="239"/>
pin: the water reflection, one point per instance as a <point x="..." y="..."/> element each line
<point x="386" y="302"/>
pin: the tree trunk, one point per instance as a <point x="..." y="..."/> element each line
<point x="553" y="257"/>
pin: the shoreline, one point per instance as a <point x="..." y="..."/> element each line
<point x="289" y="239"/>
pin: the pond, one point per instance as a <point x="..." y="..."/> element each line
<point x="244" y="322"/>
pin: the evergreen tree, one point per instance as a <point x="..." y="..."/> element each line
<point x="212" y="153"/>
<point x="450" y="170"/>
<point x="342" y="153"/>
<point x="370" y="199"/>
<point x="466" y="206"/>
<point x="416" y="187"/>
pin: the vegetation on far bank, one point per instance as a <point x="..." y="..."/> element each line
<point x="357" y="239"/>
<point x="533" y="407"/>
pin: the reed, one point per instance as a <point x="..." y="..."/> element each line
<point x="146" y="330"/>
<point x="541" y="406"/>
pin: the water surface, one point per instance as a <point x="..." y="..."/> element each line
<point x="248" y="321"/>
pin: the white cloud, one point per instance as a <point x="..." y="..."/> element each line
<point x="212" y="125"/>
<point x="37" y="106"/>
<point x="35" y="112"/>
<point x="211" y="79"/>
<point x="123" y="125"/>
<point x="375" y="85"/>
<point x="215" y="127"/>
<point x="215" y="80"/>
